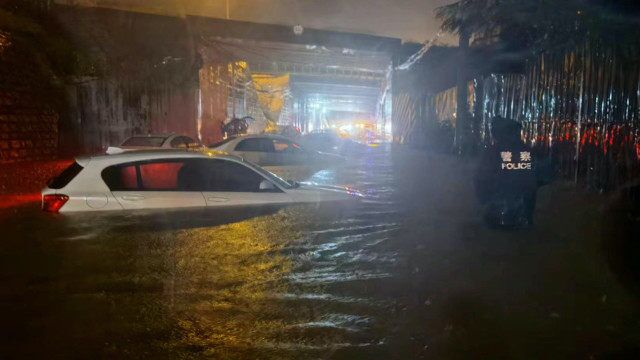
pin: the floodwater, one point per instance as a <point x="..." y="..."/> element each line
<point x="410" y="272"/>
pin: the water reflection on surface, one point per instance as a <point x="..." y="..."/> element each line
<point x="409" y="272"/>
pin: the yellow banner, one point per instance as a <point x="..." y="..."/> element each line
<point x="271" y="94"/>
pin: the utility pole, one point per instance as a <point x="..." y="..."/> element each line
<point x="227" y="7"/>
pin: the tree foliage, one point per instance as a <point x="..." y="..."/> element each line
<point x="545" y="25"/>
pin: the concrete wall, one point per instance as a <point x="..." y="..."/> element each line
<point x="105" y="112"/>
<point x="147" y="80"/>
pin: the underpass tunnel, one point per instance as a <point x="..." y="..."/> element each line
<point x="299" y="89"/>
<point x="350" y="108"/>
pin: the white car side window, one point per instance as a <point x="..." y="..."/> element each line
<point x="256" y="145"/>
<point x="158" y="175"/>
<point x="249" y="145"/>
<point x="285" y="146"/>
<point x="229" y="176"/>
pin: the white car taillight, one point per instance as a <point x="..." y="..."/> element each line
<point x="53" y="203"/>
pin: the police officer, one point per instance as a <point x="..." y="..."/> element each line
<point x="505" y="180"/>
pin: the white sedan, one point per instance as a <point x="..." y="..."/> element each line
<point x="169" y="179"/>
<point x="156" y="141"/>
<point x="279" y="155"/>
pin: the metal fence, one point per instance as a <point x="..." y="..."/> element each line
<point x="582" y="108"/>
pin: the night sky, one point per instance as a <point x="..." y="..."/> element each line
<point x="411" y="20"/>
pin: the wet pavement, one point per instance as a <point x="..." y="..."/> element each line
<point x="410" y="272"/>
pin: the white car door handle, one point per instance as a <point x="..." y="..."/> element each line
<point x="217" y="199"/>
<point x="133" y="197"/>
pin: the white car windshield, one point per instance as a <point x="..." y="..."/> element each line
<point x="271" y="176"/>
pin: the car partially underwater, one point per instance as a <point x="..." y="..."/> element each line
<point x="280" y="155"/>
<point x="175" y="179"/>
<point x="154" y="141"/>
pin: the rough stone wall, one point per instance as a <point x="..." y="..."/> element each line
<point x="28" y="121"/>
<point x="28" y="131"/>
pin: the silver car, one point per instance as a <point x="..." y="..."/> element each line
<point x="279" y="155"/>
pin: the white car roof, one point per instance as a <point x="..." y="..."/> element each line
<point x="142" y="155"/>
<point x="263" y="136"/>
<point x="153" y="135"/>
<point x="231" y="143"/>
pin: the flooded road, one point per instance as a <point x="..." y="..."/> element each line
<point x="410" y="272"/>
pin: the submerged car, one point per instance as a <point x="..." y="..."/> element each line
<point x="158" y="141"/>
<point x="330" y="141"/>
<point x="279" y="155"/>
<point x="169" y="179"/>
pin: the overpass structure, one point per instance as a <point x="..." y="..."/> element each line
<point x="307" y="78"/>
<point x="332" y="77"/>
